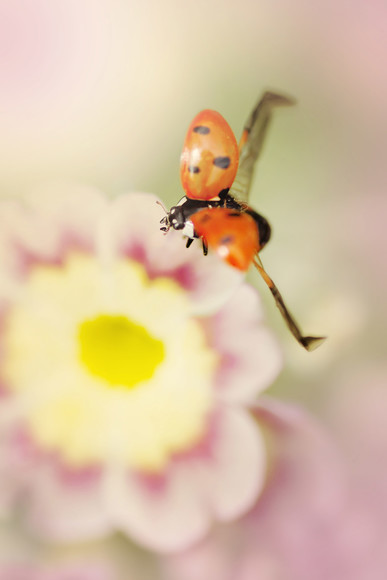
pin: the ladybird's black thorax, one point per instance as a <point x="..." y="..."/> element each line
<point x="180" y="214"/>
<point x="191" y="206"/>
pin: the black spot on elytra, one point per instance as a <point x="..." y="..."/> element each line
<point x="235" y="214"/>
<point x="193" y="169"/>
<point x="227" y="240"/>
<point x="201" y="129"/>
<point x="205" y="218"/>
<point x="222" y="162"/>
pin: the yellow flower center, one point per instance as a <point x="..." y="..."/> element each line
<point x="116" y="349"/>
<point x="107" y="365"/>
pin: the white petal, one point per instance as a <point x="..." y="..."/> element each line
<point x="250" y="355"/>
<point x="54" y="213"/>
<point x="66" y="509"/>
<point x="166" y="518"/>
<point x="177" y="510"/>
<point x="238" y="475"/>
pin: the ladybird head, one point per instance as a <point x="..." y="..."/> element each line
<point x="174" y="219"/>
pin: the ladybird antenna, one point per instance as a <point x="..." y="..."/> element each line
<point x="308" y="342"/>
<point x="162" y="205"/>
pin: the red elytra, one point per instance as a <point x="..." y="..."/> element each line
<point x="209" y="160"/>
<point x="231" y="234"/>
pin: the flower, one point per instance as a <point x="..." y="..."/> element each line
<point x="322" y="513"/>
<point x="127" y="363"/>
<point x="295" y="531"/>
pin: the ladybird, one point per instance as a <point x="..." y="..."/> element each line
<point x="216" y="173"/>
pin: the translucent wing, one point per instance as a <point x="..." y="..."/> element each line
<point x="252" y="140"/>
<point x="308" y="342"/>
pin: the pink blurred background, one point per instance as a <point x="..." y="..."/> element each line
<point x="101" y="92"/>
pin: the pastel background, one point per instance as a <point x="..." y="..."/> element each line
<point x="100" y="92"/>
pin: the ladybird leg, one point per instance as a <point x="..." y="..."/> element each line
<point x="189" y="242"/>
<point x="205" y="247"/>
<point x="308" y="342"/>
<point x="165" y="227"/>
